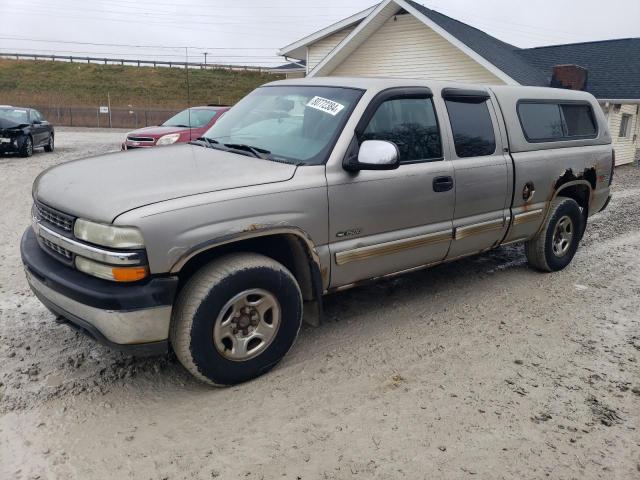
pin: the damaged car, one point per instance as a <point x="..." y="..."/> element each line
<point x="24" y="129"/>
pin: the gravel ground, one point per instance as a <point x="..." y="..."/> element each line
<point x="476" y="369"/>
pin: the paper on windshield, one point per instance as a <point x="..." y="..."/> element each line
<point x="325" y="105"/>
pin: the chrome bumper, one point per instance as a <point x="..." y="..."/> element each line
<point x="117" y="327"/>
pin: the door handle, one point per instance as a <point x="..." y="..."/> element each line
<point x="442" y="184"/>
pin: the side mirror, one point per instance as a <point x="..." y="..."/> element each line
<point x="37" y="122"/>
<point x="374" y="155"/>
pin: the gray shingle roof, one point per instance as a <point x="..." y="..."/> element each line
<point x="291" y="66"/>
<point x="613" y="65"/>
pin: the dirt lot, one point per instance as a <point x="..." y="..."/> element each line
<point x="475" y="369"/>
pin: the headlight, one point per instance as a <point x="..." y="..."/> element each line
<point x="168" y="139"/>
<point x="109" y="272"/>
<point x="108" y="235"/>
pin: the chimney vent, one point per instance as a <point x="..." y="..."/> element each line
<point x="570" y="77"/>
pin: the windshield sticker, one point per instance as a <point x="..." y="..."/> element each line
<point x="325" y="105"/>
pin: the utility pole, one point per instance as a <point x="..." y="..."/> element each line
<point x="205" y="59"/>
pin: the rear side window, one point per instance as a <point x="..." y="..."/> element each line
<point x="579" y="120"/>
<point x="541" y="121"/>
<point x="472" y="128"/>
<point x="411" y="124"/>
<point x="554" y="122"/>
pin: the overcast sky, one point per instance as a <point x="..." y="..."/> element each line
<point x="251" y="31"/>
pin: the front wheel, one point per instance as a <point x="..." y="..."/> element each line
<point x="236" y="318"/>
<point x="50" y="145"/>
<point x="553" y="248"/>
<point x="27" y="147"/>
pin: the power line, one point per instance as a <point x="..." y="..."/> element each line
<point x="119" y="54"/>
<point x="75" y="42"/>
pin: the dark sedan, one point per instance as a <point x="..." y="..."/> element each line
<point x="22" y="130"/>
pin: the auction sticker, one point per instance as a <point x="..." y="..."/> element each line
<point x="325" y="105"/>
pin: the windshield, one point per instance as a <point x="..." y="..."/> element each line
<point x="294" y="123"/>
<point x="17" y="115"/>
<point x="199" y="118"/>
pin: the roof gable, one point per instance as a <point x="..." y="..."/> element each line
<point x="379" y="16"/>
<point x="501" y="54"/>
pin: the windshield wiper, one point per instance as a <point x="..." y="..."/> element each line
<point x="209" y="142"/>
<point x="256" y="151"/>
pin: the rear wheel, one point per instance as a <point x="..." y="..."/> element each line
<point x="553" y="248"/>
<point x="50" y="145"/>
<point x="27" y="147"/>
<point x="236" y="318"/>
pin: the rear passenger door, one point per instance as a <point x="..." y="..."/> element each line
<point x="39" y="131"/>
<point x="385" y="221"/>
<point x="483" y="194"/>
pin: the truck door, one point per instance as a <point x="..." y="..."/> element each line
<point x="386" y="221"/>
<point x="483" y="186"/>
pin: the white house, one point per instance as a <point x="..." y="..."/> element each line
<point x="401" y="38"/>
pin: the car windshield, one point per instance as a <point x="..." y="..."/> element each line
<point x="197" y="117"/>
<point x="17" y="115"/>
<point x="298" y="124"/>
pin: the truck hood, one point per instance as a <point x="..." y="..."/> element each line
<point x="103" y="187"/>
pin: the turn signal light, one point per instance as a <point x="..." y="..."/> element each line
<point x="129" y="274"/>
<point x="109" y="272"/>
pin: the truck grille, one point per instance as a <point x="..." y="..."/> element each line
<point x="140" y="139"/>
<point x="54" y="217"/>
<point x="57" y="249"/>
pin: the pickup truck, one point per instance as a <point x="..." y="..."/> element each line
<point x="221" y="248"/>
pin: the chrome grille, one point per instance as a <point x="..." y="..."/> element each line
<point x="57" y="248"/>
<point x="55" y="218"/>
<point x="140" y="139"/>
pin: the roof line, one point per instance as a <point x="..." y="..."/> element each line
<point x="319" y="34"/>
<point x="467" y="25"/>
<point x="456" y="42"/>
<point x="581" y="43"/>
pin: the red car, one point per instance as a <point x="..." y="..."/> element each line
<point x="176" y="129"/>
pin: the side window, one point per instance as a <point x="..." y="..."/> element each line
<point x="544" y="121"/>
<point x="625" y="125"/>
<point x="411" y="124"/>
<point x="541" y="121"/>
<point x="579" y="120"/>
<point x="472" y="128"/>
<point x="35" y="116"/>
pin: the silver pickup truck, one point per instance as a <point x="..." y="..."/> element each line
<point x="219" y="249"/>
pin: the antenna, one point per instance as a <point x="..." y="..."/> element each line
<point x="186" y="67"/>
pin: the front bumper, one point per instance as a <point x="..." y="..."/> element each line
<point x="131" y="317"/>
<point x="129" y="145"/>
<point x="13" y="146"/>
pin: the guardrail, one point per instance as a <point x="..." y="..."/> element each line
<point x="130" y="62"/>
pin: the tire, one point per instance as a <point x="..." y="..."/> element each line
<point x="553" y="248"/>
<point x="203" y="333"/>
<point x="49" y="147"/>
<point x="27" y="147"/>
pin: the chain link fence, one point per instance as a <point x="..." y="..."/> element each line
<point x="92" y="117"/>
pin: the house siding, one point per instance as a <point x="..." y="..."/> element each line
<point x="626" y="147"/>
<point x="320" y="49"/>
<point x="406" y="47"/>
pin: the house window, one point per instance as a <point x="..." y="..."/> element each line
<point x="411" y="124"/>
<point x="548" y="121"/>
<point x="625" y="125"/>
<point x="472" y="127"/>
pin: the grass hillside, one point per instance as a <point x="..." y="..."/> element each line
<point x="29" y="82"/>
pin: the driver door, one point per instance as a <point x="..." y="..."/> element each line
<point x="386" y="221"/>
